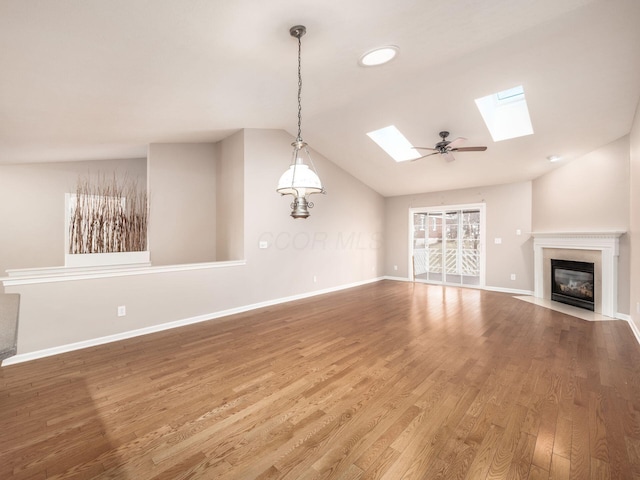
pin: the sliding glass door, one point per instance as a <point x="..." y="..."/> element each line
<point x="447" y="244"/>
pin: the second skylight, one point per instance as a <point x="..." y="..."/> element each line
<point x="506" y="114"/>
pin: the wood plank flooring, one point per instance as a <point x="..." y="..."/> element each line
<point x="390" y="380"/>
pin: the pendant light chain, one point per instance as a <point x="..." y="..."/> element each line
<point x="299" y="139"/>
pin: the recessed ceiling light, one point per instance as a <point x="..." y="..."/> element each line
<point x="554" y="158"/>
<point x="379" y="56"/>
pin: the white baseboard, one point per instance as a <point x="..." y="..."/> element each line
<point x="492" y="289"/>
<point x="513" y="291"/>
<point x="47" y="352"/>
<point x="629" y="320"/>
<point x="397" y="279"/>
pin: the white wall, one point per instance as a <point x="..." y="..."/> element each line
<point x="339" y="244"/>
<point x="589" y="194"/>
<point x="634" y="290"/>
<point x="508" y="208"/>
<point x="230" y="198"/>
<point x="32" y="207"/>
<point x="182" y="199"/>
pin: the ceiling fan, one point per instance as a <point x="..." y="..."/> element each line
<point x="444" y="147"/>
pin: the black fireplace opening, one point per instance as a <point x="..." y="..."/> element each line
<point x="572" y="283"/>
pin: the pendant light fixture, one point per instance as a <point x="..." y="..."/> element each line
<point x="300" y="180"/>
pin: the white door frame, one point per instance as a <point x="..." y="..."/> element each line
<point x="444" y="209"/>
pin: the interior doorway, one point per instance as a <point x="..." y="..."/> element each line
<point x="447" y="244"/>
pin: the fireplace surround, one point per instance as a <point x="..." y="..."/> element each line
<point x="599" y="248"/>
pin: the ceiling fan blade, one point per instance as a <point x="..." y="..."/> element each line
<point x="424" y="148"/>
<point x="425" y="156"/>
<point x="469" y="149"/>
<point x="456" y="141"/>
<point x="448" y="157"/>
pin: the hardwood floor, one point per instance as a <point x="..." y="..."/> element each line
<point x="390" y="380"/>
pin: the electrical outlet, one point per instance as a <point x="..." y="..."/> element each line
<point x="122" y="310"/>
<point x="497" y="241"/>
<point x="263" y="244"/>
<point x="513" y="276"/>
<point x="315" y="279"/>
<point x="395" y="267"/>
<point x="518" y="232"/>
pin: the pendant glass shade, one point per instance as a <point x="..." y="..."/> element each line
<point x="299" y="180"/>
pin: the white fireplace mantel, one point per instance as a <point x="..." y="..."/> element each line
<point x="605" y="242"/>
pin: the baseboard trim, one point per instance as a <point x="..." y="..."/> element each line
<point x="397" y="279"/>
<point x="513" y="291"/>
<point x="629" y="320"/>
<point x="47" y="352"/>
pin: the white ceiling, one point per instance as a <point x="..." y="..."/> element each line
<point x="102" y="79"/>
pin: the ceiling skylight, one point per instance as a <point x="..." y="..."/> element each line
<point x="394" y="143"/>
<point x="506" y="114"/>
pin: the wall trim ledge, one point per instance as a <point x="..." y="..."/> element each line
<point x="30" y="276"/>
<point x="47" y="352"/>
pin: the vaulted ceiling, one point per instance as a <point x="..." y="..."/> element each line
<point x="102" y="79"/>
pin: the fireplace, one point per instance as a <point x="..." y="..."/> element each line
<point x="573" y="283"/>
<point x="599" y="248"/>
